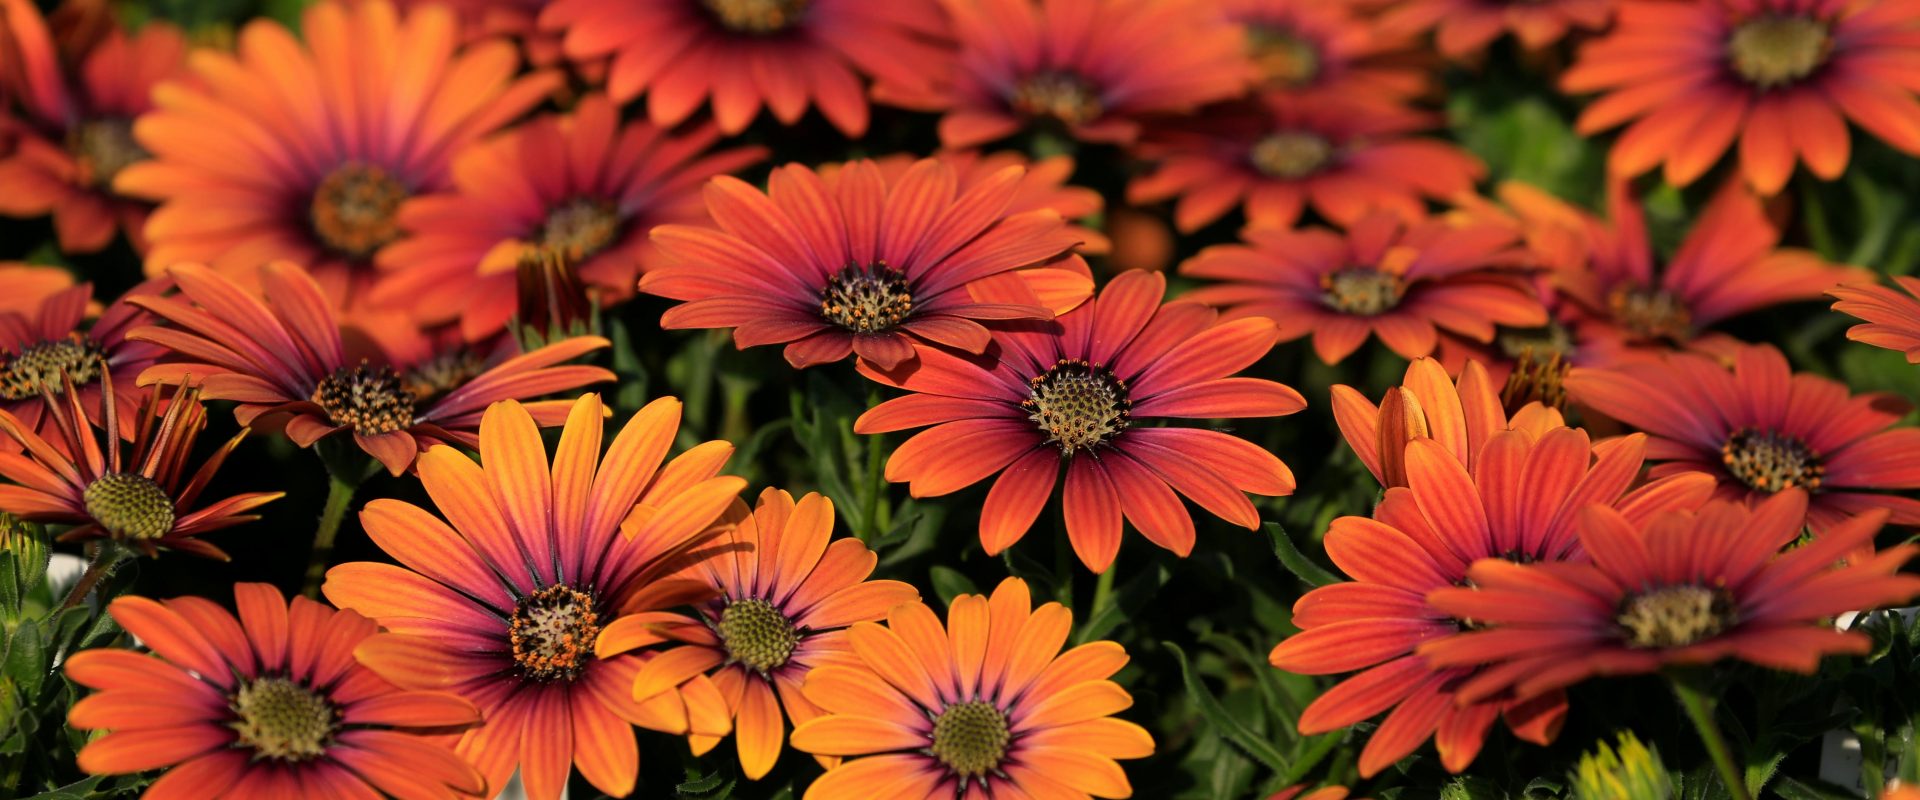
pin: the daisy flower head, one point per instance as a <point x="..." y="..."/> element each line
<point x="1459" y="415"/>
<point x="1761" y="429"/>
<point x="267" y="703"/>
<point x="1777" y="79"/>
<point x="581" y="185"/>
<point x="305" y="149"/>
<point x="1519" y="503"/>
<point x="1892" y="319"/>
<point x="1681" y="587"/>
<point x="1317" y="47"/>
<point x="534" y="560"/>
<point x="1081" y="393"/>
<point x="984" y="705"/>
<point x="737" y="55"/>
<point x="852" y="263"/>
<point x="48" y="344"/>
<point x="75" y="131"/>
<point x="1383" y="276"/>
<point x="281" y="357"/>
<point x="1465" y="28"/>
<point x="780" y="595"/>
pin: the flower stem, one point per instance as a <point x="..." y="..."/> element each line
<point x="1103" y="590"/>
<point x="1699" y="708"/>
<point x="106" y="556"/>
<point x="339" y="496"/>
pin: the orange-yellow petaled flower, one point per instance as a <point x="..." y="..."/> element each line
<point x="779" y="597"/>
<point x="1459" y="416"/>
<point x="1324" y="48"/>
<point x="283" y="358"/>
<point x="304" y="149"/>
<point x="1403" y="282"/>
<point x="786" y="54"/>
<point x="582" y="185"/>
<point x="1519" y="503"/>
<point x="77" y="130"/>
<point x="1681" y="587"/>
<point x="46" y="342"/>
<point x="1463" y="28"/>
<point x="536" y="558"/>
<point x="984" y="706"/>
<point x="271" y="703"/>
<point x="1777" y="79"/>
<point x="1892" y="318"/>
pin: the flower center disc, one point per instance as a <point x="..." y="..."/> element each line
<point x="371" y="400"/>
<point x="1650" y="314"/>
<point x="1058" y="95"/>
<point x="103" y="147"/>
<point x="971" y="738"/>
<point x="1770" y="461"/>
<point x="756" y="634"/>
<point x="1675" y="616"/>
<point x="1363" y="291"/>
<point x="581" y="227"/>
<point x="129" y="506"/>
<point x="355" y="209"/>
<point x="553" y="632"/>
<point x="756" y="16"/>
<point x="1078" y="405"/>
<point x="441" y="374"/>
<point x="1286" y="59"/>
<point x="39" y="367"/>
<point x="1290" y="154"/>
<point x="866" y="299"/>
<point x="1777" y="50"/>
<point x="282" y="719"/>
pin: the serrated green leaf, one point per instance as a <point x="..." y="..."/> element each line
<point x="1224" y="724"/>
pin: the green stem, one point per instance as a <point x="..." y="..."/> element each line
<point x="339" y="496"/>
<point x="1699" y="708"/>
<point x="1103" y="589"/>
<point x="106" y="556"/>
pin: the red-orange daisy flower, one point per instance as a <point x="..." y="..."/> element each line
<point x="786" y="54"/>
<point x="534" y="561"/>
<point x="29" y="285"/>
<point x="1344" y="156"/>
<point x="283" y="359"/>
<point x="1322" y="48"/>
<point x="1403" y="282"/>
<point x="50" y="338"/>
<point x="1076" y="394"/>
<point x="858" y="265"/>
<point x="1463" y="28"/>
<point x="1682" y="587"/>
<point x="779" y="597"/>
<point x="983" y="706"/>
<point x="1519" y="503"/>
<point x="1783" y="77"/>
<point x="1760" y="428"/>
<point x="1892" y="318"/>
<point x="76" y="133"/>
<point x="270" y="703"/>
<point x="1044" y="186"/>
<point x="1093" y="69"/>
<point x="305" y="149"/>
<point x="1458" y="415"/>
<point x="581" y="185"/>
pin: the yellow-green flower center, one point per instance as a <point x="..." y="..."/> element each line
<point x="356" y="209"/>
<point x="1362" y="291"/>
<point x="1283" y="57"/>
<point x="1775" y="51"/>
<point x="866" y="299"/>
<point x="971" y="738"/>
<point x="552" y="632"/>
<point x="1651" y="314"/>
<point x="371" y="400"/>
<point x="39" y="367"/>
<point x="103" y="147"/>
<point x="581" y="227"/>
<point x="1675" y="616"/>
<point x="1078" y="405"/>
<point x="1769" y="461"/>
<point x="756" y="16"/>
<point x="757" y="634"/>
<point x="129" y="506"/>
<point x="1291" y="155"/>
<point x="1060" y="96"/>
<point x="282" y="720"/>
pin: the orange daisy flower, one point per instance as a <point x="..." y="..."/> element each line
<point x="985" y="705"/>
<point x="305" y="152"/>
<point x="1403" y="282"/>
<point x="787" y="54"/>
<point x="1783" y="77"/>
<point x="860" y="265"/>
<point x="1081" y="68"/>
<point x="46" y="344"/>
<point x="268" y="704"/>
<point x="284" y="359"/>
<point x="779" y="600"/>
<point x="1274" y="157"/>
<point x="29" y="285"/>
<point x="1458" y="415"/>
<point x="581" y="185"/>
<point x="1759" y="428"/>
<point x="1892" y="318"/>
<point x="1519" y="503"/>
<point x="1044" y="186"/>
<point x="533" y="562"/>
<point x="1681" y="587"/>
<point x="1463" y="28"/>
<point x="76" y="132"/>
<point x="1325" y="49"/>
<point x="143" y="498"/>
<point x="1076" y="394"/>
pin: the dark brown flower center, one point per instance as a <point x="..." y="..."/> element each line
<point x="1284" y="58"/>
<point x="280" y="719"/>
<point x="553" y="631"/>
<point x="756" y="16"/>
<point x="355" y="209"/>
<point x="581" y="227"/>
<point x="102" y="147"/>
<point x="39" y="367"/>
<point x="1770" y="461"/>
<point x="757" y="634"/>
<point x="1651" y="314"/>
<point x="1553" y="339"/>
<point x="971" y="738"/>
<point x="441" y="374"/>
<point x="371" y="400"/>
<point x="1775" y="51"/>
<point x="866" y="299"/>
<point x="129" y="505"/>
<point x="1537" y="377"/>
<point x="1362" y="291"/>
<point x="1078" y="405"/>
<point x="1675" y="616"/>
<point x="1058" y="95"/>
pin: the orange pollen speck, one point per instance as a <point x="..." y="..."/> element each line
<point x="355" y="209"/>
<point x="553" y="631"/>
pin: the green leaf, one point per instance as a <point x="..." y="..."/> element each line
<point x="1224" y="724"/>
<point x="1794" y="789"/>
<point x="950" y="583"/>
<point x="1295" y="561"/>
<point x="78" y="790"/>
